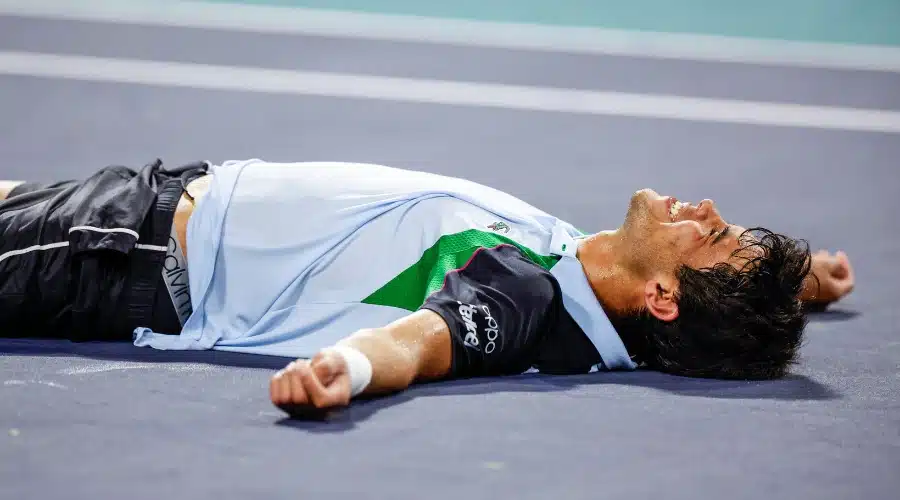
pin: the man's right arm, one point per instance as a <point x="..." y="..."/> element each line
<point x="487" y="319"/>
<point x="412" y="349"/>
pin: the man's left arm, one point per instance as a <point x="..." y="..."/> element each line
<point x="831" y="278"/>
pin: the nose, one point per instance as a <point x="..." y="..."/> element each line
<point x="705" y="209"/>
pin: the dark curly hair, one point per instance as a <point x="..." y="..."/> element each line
<point x="733" y="323"/>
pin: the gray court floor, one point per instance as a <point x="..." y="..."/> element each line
<point x="113" y="421"/>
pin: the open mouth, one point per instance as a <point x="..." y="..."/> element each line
<point x="674" y="208"/>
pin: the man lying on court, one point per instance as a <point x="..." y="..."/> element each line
<point x="380" y="277"/>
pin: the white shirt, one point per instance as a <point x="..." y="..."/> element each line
<point x="288" y="258"/>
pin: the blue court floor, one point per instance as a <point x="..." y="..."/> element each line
<point x="98" y="421"/>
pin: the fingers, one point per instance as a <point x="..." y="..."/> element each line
<point x="824" y="261"/>
<point x="324" y="368"/>
<point x="327" y="383"/>
<point x="834" y="275"/>
<point x="843" y="269"/>
<point x="845" y="275"/>
<point x="299" y="393"/>
<point x="835" y="265"/>
<point x="328" y="366"/>
<point x="311" y="385"/>
<point x="841" y="273"/>
<point x="832" y="279"/>
<point x="281" y="390"/>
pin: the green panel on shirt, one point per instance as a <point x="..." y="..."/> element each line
<point x="409" y="289"/>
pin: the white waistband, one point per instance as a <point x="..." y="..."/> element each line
<point x="175" y="274"/>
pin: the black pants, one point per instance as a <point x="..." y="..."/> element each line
<point x="82" y="260"/>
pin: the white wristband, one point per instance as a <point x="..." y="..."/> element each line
<point x="358" y="367"/>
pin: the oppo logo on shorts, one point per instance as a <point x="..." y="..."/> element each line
<point x="469" y="312"/>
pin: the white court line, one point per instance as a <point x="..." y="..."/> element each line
<point x="103" y="367"/>
<point x="209" y="77"/>
<point x="517" y="36"/>
<point x="39" y="382"/>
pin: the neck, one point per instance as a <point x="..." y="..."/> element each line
<point x="616" y="288"/>
<point x="614" y="285"/>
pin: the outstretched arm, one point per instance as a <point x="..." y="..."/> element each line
<point x="414" y="348"/>
<point x="831" y="278"/>
<point x="488" y="319"/>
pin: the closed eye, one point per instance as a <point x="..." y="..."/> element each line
<point x="721" y="235"/>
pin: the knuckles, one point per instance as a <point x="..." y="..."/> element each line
<point x="291" y="384"/>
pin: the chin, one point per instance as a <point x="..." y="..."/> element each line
<point x="642" y="201"/>
<point x="638" y="215"/>
<point x="646" y="194"/>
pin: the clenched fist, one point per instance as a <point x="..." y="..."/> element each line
<point x="835" y="279"/>
<point x="311" y="387"/>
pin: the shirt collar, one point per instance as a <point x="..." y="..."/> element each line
<point x="581" y="303"/>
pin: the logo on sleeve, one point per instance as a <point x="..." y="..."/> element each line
<point x="499" y="226"/>
<point x="470" y="314"/>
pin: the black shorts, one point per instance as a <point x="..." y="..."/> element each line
<point x="82" y="260"/>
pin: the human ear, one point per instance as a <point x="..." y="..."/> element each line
<point x="659" y="297"/>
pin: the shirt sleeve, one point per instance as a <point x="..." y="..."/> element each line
<point x="496" y="307"/>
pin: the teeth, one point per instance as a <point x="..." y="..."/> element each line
<point x="676" y="207"/>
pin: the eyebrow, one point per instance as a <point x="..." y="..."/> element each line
<point x="722" y="234"/>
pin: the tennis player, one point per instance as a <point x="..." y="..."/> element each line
<point x="376" y="278"/>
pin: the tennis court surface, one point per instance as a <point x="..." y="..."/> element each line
<point x="100" y="420"/>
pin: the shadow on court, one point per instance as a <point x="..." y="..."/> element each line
<point x="830" y="315"/>
<point x="791" y="388"/>
<point x="125" y="351"/>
